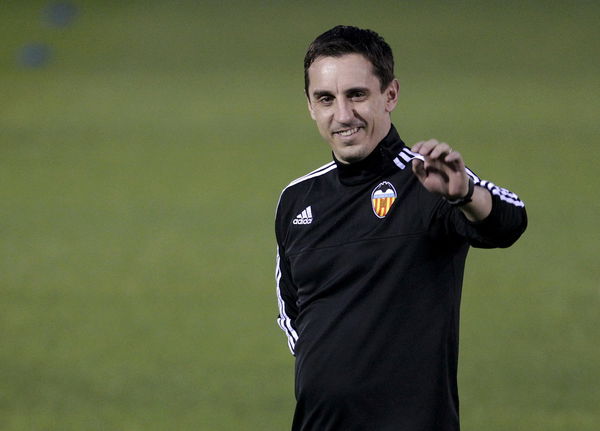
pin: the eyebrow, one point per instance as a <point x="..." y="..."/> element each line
<point x="357" y="89"/>
<point x="319" y="93"/>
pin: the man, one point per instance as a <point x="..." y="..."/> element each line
<point x="371" y="252"/>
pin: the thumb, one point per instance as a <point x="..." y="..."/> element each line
<point x="418" y="168"/>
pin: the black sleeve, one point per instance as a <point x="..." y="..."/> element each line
<point x="287" y="294"/>
<point x="501" y="228"/>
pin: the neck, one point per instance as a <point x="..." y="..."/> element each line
<point x="377" y="163"/>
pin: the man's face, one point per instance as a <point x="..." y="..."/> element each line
<point x="346" y="101"/>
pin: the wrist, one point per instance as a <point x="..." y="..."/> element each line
<point x="466" y="198"/>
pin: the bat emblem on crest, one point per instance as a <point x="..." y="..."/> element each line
<point x="382" y="198"/>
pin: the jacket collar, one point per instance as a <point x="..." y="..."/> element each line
<point x="377" y="164"/>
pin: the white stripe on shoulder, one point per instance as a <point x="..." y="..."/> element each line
<point x="317" y="172"/>
<point x="471" y="174"/>
<point x="411" y="154"/>
<point x="407" y="156"/>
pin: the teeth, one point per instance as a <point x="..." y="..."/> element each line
<point x="348" y="132"/>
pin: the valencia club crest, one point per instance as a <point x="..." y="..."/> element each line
<point x="382" y="198"/>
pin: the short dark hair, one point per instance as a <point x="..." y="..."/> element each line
<point x="342" y="40"/>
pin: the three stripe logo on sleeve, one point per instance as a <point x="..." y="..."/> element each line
<point x="305" y="217"/>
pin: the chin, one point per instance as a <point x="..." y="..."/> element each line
<point x="351" y="157"/>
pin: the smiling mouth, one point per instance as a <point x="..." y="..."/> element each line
<point x="347" y="132"/>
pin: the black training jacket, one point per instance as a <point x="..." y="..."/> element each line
<point x="369" y="273"/>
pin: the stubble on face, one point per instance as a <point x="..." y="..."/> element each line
<point x="346" y="102"/>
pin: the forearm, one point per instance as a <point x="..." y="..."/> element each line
<point x="502" y="226"/>
<point x="479" y="207"/>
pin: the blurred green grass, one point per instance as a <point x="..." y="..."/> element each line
<point x="141" y="166"/>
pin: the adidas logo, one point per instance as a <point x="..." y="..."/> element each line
<point x="305" y="217"/>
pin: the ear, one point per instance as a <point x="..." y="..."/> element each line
<point x="391" y="95"/>
<point x="310" y="108"/>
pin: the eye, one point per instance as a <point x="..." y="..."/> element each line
<point x="325" y="100"/>
<point x="357" y="96"/>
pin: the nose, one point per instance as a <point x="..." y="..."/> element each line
<point x="344" y="111"/>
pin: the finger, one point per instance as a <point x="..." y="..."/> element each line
<point x="441" y="175"/>
<point x="415" y="148"/>
<point x="455" y="161"/>
<point x="440" y="151"/>
<point x="453" y="155"/>
<point x="458" y="184"/>
<point x="425" y="147"/>
<point x="418" y="168"/>
<point x="458" y="179"/>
